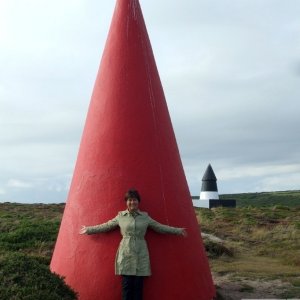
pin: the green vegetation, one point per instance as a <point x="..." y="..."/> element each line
<point x="28" y="235"/>
<point x="265" y="242"/>
<point x="260" y="240"/>
<point x="25" y="277"/>
<point x="285" y="198"/>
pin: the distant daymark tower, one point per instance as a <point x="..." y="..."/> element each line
<point x="209" y="189"/>
<point x="209" y="196"/>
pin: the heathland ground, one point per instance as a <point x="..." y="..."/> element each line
<point x="253" y="249"/>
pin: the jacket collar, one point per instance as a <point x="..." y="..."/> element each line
<point x="126" y="212"/>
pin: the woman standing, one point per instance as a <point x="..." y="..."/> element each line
<point x="132" y="258"/>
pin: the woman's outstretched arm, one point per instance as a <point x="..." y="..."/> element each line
<point x="105" y="227"/>
<point x="161" y="228"/>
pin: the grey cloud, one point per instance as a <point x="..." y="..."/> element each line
<point x="230" y="73"/>
<point x="296" y="68"/>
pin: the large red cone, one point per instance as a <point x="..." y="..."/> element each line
<point x="128" y="141"/>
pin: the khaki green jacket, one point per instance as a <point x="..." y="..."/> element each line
<point x="132" y="256"/>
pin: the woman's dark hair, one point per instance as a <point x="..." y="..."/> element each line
<point x="132" y="193"/>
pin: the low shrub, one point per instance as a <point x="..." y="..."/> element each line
<point x="25" y="277"/>
<point x="27" y="234"/>
<point x="215" y="249"/>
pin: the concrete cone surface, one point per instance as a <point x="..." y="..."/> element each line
<point x="128" y="141"/>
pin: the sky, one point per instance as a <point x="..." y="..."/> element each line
<point x="230" y="70"/>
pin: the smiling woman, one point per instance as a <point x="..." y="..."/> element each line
<point x="132" y="258"/>
<point x="132" y="199"/>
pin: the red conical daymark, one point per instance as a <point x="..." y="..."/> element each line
<point x="128" y="141"/>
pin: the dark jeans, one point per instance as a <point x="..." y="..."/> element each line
<point x="132" y="287"/>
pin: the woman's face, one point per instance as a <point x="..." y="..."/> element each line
<point x="132" y="204"/>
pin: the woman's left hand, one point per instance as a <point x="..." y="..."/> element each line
<point x="183" y="232"/>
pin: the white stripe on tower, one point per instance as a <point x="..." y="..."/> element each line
<point x="209" y="195"/>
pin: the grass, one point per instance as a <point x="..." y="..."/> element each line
<point x="285" y="198"/>
<point x="29" y="228"/>
<point x="265" y="242"/>
<point x="270" y="232"/>
<point x="259" y="242"/>
<point x="253" y="267"/>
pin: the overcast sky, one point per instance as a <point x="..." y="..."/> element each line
<point x="230" y="71"/>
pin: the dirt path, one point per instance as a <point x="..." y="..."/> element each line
<point x="241" y="288"/>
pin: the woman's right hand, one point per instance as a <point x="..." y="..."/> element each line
<point x="83" y="230"/>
